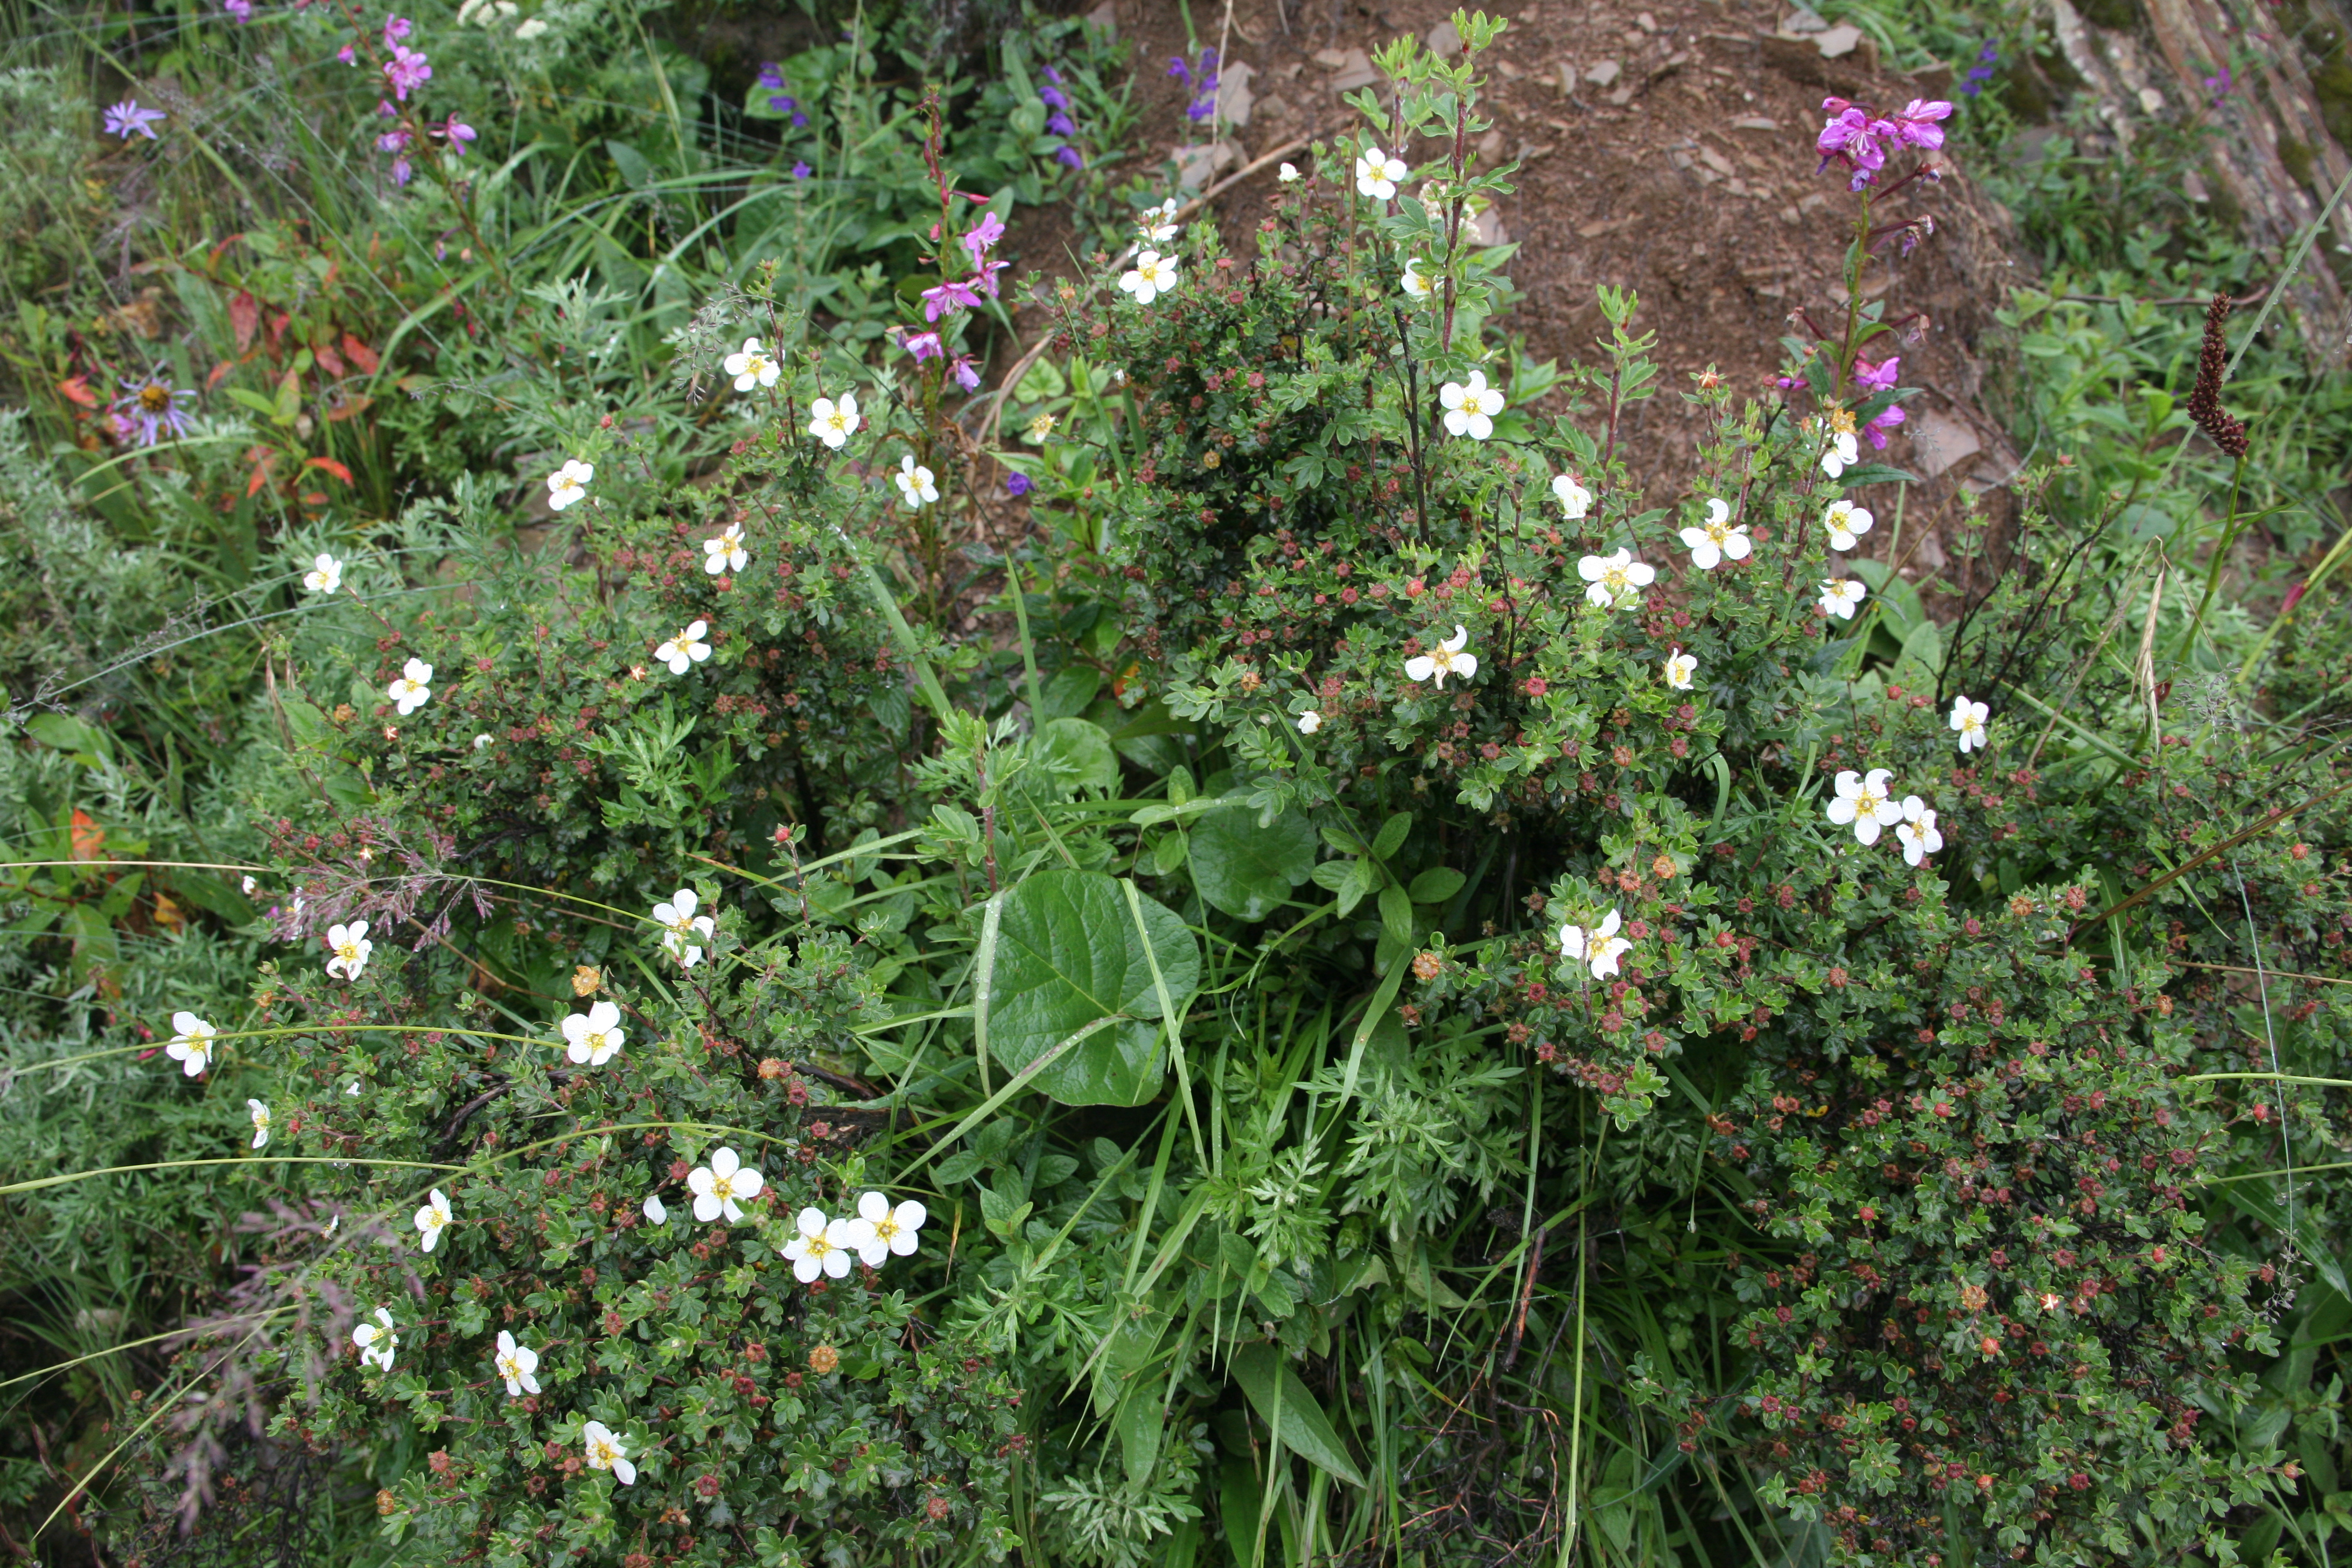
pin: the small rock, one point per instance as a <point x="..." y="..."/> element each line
<point x="1490" y="146"/>
<point x="1604" y="73"/>
<point x="1445" y="40"/>
<point x="1839" y="41"/>
<point x="1566" y="70"/>
<point x="1234" y="99"/>
<point x="1646" y="22"/>
<point x="1196" y="166"/>
<point x="1486" y="228"/>
<point x="1623" y="96"/>
<point x="1938" y="442"/>
<point x="1104" y="18"/>
<point x="1332" y="59"/>
<point x="1801" y="22"/>
<point x="1510" y="72"/>
<point x="2151" y="102"/>
<point x="1716" y="161"/>
<point x="1354" y="71"/>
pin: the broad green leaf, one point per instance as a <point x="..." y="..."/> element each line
<point x="1436" y="885"/>
<point x="1068" y="955"/>
<point x="1068" y="692"/>
<point x="64" y="733"/>
<point x="1247" y="870"/>
<point x="1071" y="755"/>
<point x="1899" y="601"/>
<point x="1299" y="1423"/>
<point x="1396" y="912"/>
<point x="1391" y="835"/>
<point x="1923" y="656"/>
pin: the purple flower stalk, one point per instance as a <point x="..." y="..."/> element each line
<point x="127" y="120"/>
<point x="151" y="405"/>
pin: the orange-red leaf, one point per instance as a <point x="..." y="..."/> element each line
<point x="344" y="408"/>
<point x="360" y="354"/>
<point x="245" y="315"/>
<point x="76" y="387"/>
<point x="89" y="838"/>
<point x="329" y="360"/>
<point x="219" y="374"/>
<point x="330" y="466"/>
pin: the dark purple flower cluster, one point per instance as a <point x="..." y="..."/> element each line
<point x="1202" y="78"/>
<point x="1859" y="138"/>
<point x="771" y="75"/>
<point x="1059" y="123"/>
<point x="1980" y="72"/>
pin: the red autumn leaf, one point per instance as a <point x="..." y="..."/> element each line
<point x="314" y="498"/>
<point x="360" y="354"/>
<point x="344" y="407"/>
<point x="76" y="387"/>
<point x="218" y="373"/>
<point x="245" y="315"/>
<point x="278" y="324"/>
<point x="89" y="838"/>
<point x="330" y="466"/>
<point x="329" y="360"/>
<point x="263" y="459"/>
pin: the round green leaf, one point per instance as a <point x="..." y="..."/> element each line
<point x="1071" y="755"/>
<point x="1247" y="870"/>
<point x="1067" y="955"/>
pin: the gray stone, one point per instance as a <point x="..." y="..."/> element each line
<point x="1839" y="41"/>
<point x="1604" y="73"/>
<point x="1939" y="441"/>
<point x="1445" y="40"/>
<point x="1235" y="100"/>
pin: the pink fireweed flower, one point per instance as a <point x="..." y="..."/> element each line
<point x="922" y="345"/>
<point x="1916" y="127"/>
<point x="1881" y="425"/>
<point x="983" y="235"/>
<point x="401" y="172"/>
<point x="949" y="297"/>
<point x="239" y="11"/>
<point x="966" y="374"/>
<point x="1877" y="377"/>
<point x="392" y="141"/>
<point x="395" y="30"/>
<point x="347" y="54"/>
<point x="1856" y="138"/>
<point x="456" y="133"/>
<point x="127" y="120"/>
<point x="985" y="279"/>
<point x="407" y="70"/>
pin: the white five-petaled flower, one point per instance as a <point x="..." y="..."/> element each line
<point x="1574" y="499"/>
<point x="249" y="884"/>
<point x="260" y="1114"/>
<point x="413" y="688"/>
<point x="1151" y="276"/>
<point x="1416" y="286"/>
<point x="1968" y="718"/>
<point x="1847" y="522"/>
<point x="722" y="1186"/>
<point x="350" y="946"/>
<point x="517" y="1365"/>
<point x="1447" y="658"/>
<point x="1471" y="407"/>
<point x="569" y="483"/>
<point x="191" y="1043"/>
<point x="376" y="1341"/>
<point x="1287" y="174"/>
<point x="1916" y="832"/>
<point x="482" y="742"/>
<point x="1599" y="947"/>
<point x="592" y="1037"/>
<point x="1615" y="579"/>
<point x="606" y="1451"/>
<point x="1867" y="803"/>
<point x="831" y="422"/>
<point x="726" y="553"/>
<point x="915" y="483"/>
<point x="1310" y="721"/>
<point x="883" y="1231"/>
<point x="434" y="1217"/>
<point x="1680" y="668"/>
<point x="752" y="366"/>
<point x="1839" y="595"/>
<point x="681" y="924"/>
<point x="1719" y="539"/>
<point x="1843" y="451"/>
<point x="687" y="649"/>
<point x="325" y="575"/>
<point x="1157" y="225"/>
<point x="1377" y="175"/>
<point x="656" y="1210"/>
<point x="820" y="1245"/>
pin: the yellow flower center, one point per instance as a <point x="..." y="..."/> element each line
<point x="721" y="1187"/>
<point x="595" y="1041"/>
<point x="154" y="397"/>
<point x="435" y="1219"/>
<point x="349" y="951"/>
<point x="886" y="1229"/>
<point x="1866" y="801"/>
<point x="817" y="1245"/>
<point x="1616" y="581"/>
<point x="601" y="1454"/>
<point x="1841" y="421"/>
<point x="836" y="420"/>
<point x="1443" y="658"/>
<point x="509" y="1369"/>
<point x="1718" y="533"/>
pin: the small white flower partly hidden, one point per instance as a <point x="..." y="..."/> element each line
<point x="482" y="742"/>
<point x="250" y="885"/>
<point x="1600" y="947"/>
<point x="1680" y="668"/>
<point x="1310" y="721"/>
<point x="1287" y="174"/>
<point x="191" y="1043"/>
<point x="656" y="1210"/>
<point x="1616" y="579"/>
<point x="680" y="924"/>
<point x="376" y="1341"/>
<point x="726" y="553"/>
<point x="517" y="1365"/>
<point x="1157" y="225"/>
<point x="414" y="689"/>
<point x="685" y="650"/>
<point x="752" y="366"/>
<point x="1968" y="718"/>
<point x="722" y="1186"/>
<point x="1377" y="175"/>
<point x="608" y="1452"/>
<point x="820" y="1246"/>
<point x="434" y="1218"/>
<point x="1471" y="405"/>
<point x="325" y="575"/>
<point x="832" y="421"/>
<point x="260" y="1114"/>
<point x="1719" y="539"/>
<point x="1151" y="276"/>
<point x="1843" y="451"/>
<point x="569" y="483"/>
<point x="531" y="27"/>
<point x="350" y="946"/>
<point x="915" y="483"/>
<point x="884" y="1231"/>
<point x="1865" y="803"/>
<point x="1916" y="832"/>
<point x="1447" y="658"/>
<point x="1839" y="595"/>
<point x="1416" y="286"/>
<point x="1847" y="523"/>
<point x="592" y="1037"/>
<point x="1574" y="499"/>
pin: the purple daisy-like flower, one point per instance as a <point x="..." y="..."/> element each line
<point x="1017" y="485"/>
<point x="151" y="405"/>
<point x="127" y="120"/>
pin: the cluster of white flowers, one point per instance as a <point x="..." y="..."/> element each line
<point x="1470" y="406"/>
<point x="1599" y="947"/>
<point x="680" y="926"/>
<point x="685" y="650"/>
<point x="1447" y="658"/>
<point x="414" y="689"/>
<point x="876" y="1232"/>
<point x="752" y="366"/>
<point x="726" y="553"/>
<point x="569" y="483"/>
<point x="1867" y="803"/>
<point x="916" y="483"/>
<point x="832" y="421"/>
<point x="1151" y="276"/>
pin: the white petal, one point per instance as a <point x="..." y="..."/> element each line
<point x="705" y="1207"/>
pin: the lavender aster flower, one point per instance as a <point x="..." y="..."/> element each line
<point x="1016" y="485"/>
<point x="1070" y="156"/>
<point x="127" y="119"/>
<point x="151" y="405"/>
<point x="800" y="170"/>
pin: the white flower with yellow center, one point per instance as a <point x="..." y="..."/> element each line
<point x="1377" y="175"/>
<point x="414" y="689"/>
<point x="1447" y="658"/>
<point x="606" y="1451"/>
<point x="1151" y="276"/>
<point x="1718" y="538"/>
<point x="592" y="1037"/>
<point x="350" y="947"/>
<point x="260" y="1114"/>
<point x="191" y="1043"/>
<point x="916" y="483"/>
<point x="751" y="366"/>
<point x="1157" y="225"/>
<point x="518" y="1365"/>
<point x="1680" y="668"/>
<point x="685" y="650"/>
<point x="1574" y="499"/>
<point x="1600" y="948"/>
<point x="726" y="553"/>
<point x="680" y="926"/>
<point x="325" y="575"/>
<point x="1968" y="718"/>
<point x="883" y="1232"/>
<point x="1310" y="721"/>
<point x="1867" y="803"/>
<point x="1839" y="595"/>
<point x="831" y="422"/>
<point x="820" y="1246"/>
<point x="1471" y="405"/>
<point x="1846" y="524"/>
<point x="569" y="483"/>
<point x="1287" y="174"/>
<point x="1616" y="579"/>
<point x="1916" y="832"/>
<point x="1416" y="285"/>
<point x="434" y="1218"/>
<point x="722" y="1186"/>
<point x="376" y="1341"/>
<point x="1843" y="451"/>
